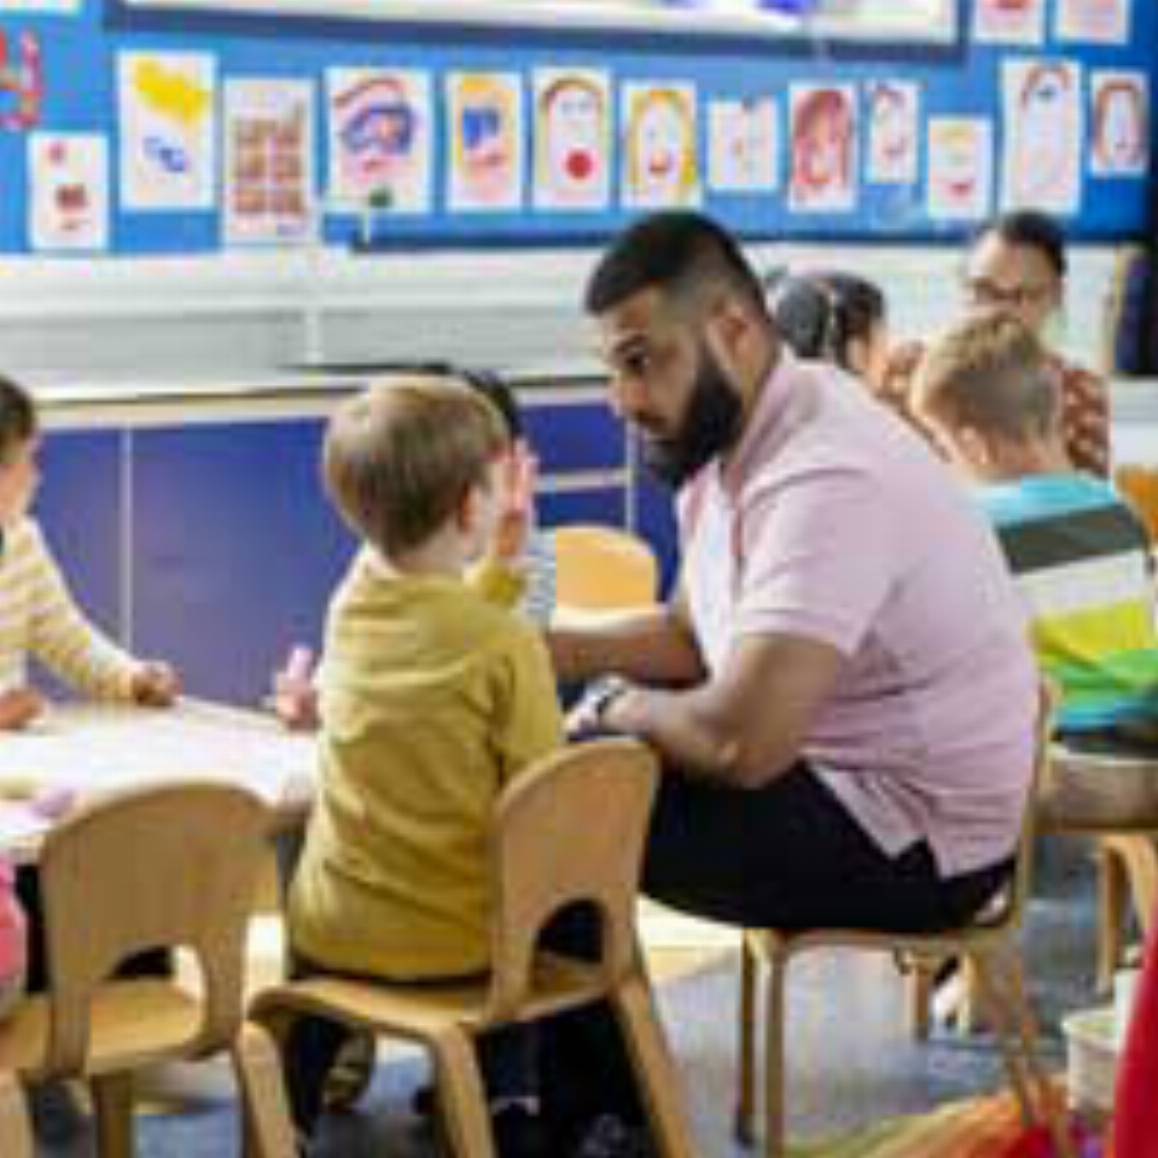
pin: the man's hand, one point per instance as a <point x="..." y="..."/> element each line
<point x="294" y="698"/>
<point x="19" y="707"/>
<point x="154" y="684"/>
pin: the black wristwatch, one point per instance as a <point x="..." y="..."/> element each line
<point x="603" y="692"/>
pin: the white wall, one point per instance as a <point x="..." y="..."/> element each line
<point x="248" y="311"/>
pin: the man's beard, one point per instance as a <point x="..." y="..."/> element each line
<point x="709" y="427"/>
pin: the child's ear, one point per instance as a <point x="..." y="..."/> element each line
<point x="466" y="514"/>
<point x="975" y="448"/>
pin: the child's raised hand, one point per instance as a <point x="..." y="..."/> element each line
<point x="295" y="699"/>
<point x="19" y="707"/>
<point x="154" y="684"/>
<point x="518" y="513"/>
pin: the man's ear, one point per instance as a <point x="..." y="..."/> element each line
<point x="729" y="329"/>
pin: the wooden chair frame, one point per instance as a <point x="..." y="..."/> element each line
<point x="988" y="944"/>
<point x="603" y="568"/>
<point x="569" y="830"/>
<point x="171" y="865"/>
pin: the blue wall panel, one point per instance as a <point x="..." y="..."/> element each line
<point x="81" y="52"/>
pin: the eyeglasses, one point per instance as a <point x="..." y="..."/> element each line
<point x="982" y="292"/>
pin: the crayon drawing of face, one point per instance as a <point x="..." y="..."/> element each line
<point x="378" y="127"/>
<point x="891" y="126"/>
<point x="661" y="148"/>
<point x="1048" y="139"/>
<point x="956" y="174"/>
<point x="487" y="152"/>
<point x="822" y="148"/>
<point x="573" y="152"/>
<point x="69" y="193"/>
<point x="750" y="143"/>
<point x="1121" y="127"/>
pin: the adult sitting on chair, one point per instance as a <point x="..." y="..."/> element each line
<point x="841" y="689"/>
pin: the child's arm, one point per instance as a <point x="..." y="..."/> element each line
<point x="295" y="698"/>
<point x="531" y="724"/>
<point x="66" y="641"/>
<point x="501" y="577"/>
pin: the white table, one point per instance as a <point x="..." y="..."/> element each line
<point x="93" y="750"/>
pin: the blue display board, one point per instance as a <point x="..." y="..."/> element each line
<point x="80" y="49"/>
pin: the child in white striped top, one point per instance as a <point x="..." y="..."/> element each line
<point x="38" y="617"/>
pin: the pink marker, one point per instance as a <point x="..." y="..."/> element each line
<point x="299" y="664"/>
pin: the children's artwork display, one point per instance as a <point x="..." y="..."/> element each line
<point x="68" y="196"/>
<point x="661" y="161"/>
<point x="269" y="178"/>
<point x="21" y="81"/>
<point x="40" y="5"/>
<point x="960" y="151"/>
<point x="894" y="131"/>
<point x="1120" y="123"/>
<point x="168" y="125"/>
<point x="1009" y="21"/>
<point x="380" y="140"/>
<point x="1094" y="21"/>
<point x="1043" y="121"/>
<point x="823" y="148"/>
<point x="572" y="139"/>
<point x="743" y="145"/>
<point x="484" y="116"/>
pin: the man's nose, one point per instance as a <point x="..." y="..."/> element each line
<point x="627" y="395"/>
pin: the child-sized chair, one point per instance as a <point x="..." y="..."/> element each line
<point x="602" y="568"/>
<point x="167" y="865"/>
<point x="571" y="829"/>
<point x="988" y="943"/>
<point x="15" y="1134"/>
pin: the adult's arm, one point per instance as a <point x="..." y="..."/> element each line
<point x="653" y="646"/>
<point x="745" y="726"/>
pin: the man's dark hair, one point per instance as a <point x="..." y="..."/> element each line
<point x="677" y="251"/>
<point x="1032" y="229"/>
<point x="17" y="416"/>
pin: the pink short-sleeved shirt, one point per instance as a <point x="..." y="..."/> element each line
<point x="833" y="521"/>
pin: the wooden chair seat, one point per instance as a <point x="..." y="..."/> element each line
<point x="132" y="1022"/>
<point x="602" y="568"/>
<point x="569" y="830"/>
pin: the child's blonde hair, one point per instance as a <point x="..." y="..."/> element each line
<point x="18" y="421"/>
<point x="400" y="457"/>
<point x="989" y="373"/>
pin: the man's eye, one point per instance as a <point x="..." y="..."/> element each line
<point x="637" y="363"/>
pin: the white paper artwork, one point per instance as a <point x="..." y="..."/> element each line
<point x="960" y="168"/>
<point x="1120" y="123"/>
<point x="167" y="107"/>
<point x="893" y="110"/>
<point x="68" y="195"/>
<point x="1094" y="21"/>
<point x="743" y="145"/>
<point x="1044" y="131"/>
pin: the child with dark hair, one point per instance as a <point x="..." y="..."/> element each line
<point x="833" y="317"/>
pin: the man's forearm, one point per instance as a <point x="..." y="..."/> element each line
<point x="648" y="647"/>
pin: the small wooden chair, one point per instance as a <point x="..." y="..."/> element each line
<point x="166" y="865"/>
<point x="601" y="568"/>
<point x="571" y="829"/>
<point x="15" y="1134"/>
<point x="988" y="943"/>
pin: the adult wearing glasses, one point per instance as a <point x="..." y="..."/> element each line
<point x="1017" y="262"/>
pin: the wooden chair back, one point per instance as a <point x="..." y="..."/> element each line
<point x="166" y="865"/>
<point x="544" y="858"/>
<point x="601" y="568"/>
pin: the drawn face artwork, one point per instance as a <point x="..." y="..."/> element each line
<point x="661" y="148"/>
<point x="1049" y="131"/>
<point x="1120" y="128"/>
<point x="957" y="173"/>
<point x="822" y="147"/>
<point x="377" y="134"/>
<point x="486" y="139"/>
<point x="573" y="121"/>
<point x="891" y="126"/>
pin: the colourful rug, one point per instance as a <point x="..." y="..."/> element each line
<point x="979" y="1128"/>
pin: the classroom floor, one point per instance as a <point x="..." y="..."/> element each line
<point x="850" y="1060"/>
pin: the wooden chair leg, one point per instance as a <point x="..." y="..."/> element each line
<point x="656" y="1073"/>
<point x="1111" y="913"/>
<point x="744" y="1129"/>
<point x="1140" y="860"/>
<point x="15" y="1132"/>
<point x="113" y="1100"/>
<point x="775" y="1071"/>
<point x="919" y="994"/>
<point x="268" y="1130"/>
<point x="462" y="1100"/>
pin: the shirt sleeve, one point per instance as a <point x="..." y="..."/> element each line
<point x="530" y="723"/>
<point x="818" y="553"/>
<point x="497" y="583"/>
<point x="65" y="641"/>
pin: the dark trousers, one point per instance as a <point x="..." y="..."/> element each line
<point x="786" y="856"/>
